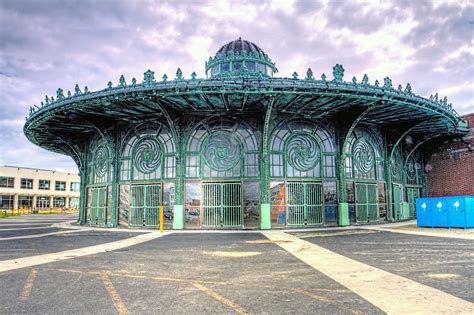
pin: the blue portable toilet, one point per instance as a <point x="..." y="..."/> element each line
<point x="439" y="212"/>
<point x="461" y="211"/>
<point x="423" y="212"/>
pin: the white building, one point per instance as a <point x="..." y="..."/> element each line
<point x="22" y="187"/>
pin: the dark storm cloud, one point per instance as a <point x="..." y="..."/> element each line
<point x="51" y="44"/>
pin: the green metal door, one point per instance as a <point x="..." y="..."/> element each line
<point x="222" y="204"/>
<point x="98" y="206"/>
<point x="397" y="202"/>
<point x="305" y="203"/>
<point x="145" y="205"/>
<point x="412" y="194"/>
<point x="366" y="203"/>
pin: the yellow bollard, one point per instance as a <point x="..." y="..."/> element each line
<point x="162" y="219"/>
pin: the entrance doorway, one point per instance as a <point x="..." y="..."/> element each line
<point x="397" y="201"/>
<point x="412" y="194"/>
<point x="366" y="198"/>
<point x="98" y="205"/>
<point x="305" y="203"/>
<point x="145" y="205"/>
<point x="222" y="204"/>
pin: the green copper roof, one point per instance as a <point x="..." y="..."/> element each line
<point x="66" y="116"/>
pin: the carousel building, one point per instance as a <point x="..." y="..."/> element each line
<point x="244" y="148"/>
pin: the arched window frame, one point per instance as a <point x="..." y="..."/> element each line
<point x="162" y="136"/>
<point x="248" y="165"/>
<point x="374" y="140"/>
<point x="100" y="156"/>
<point x="279" y="142"/>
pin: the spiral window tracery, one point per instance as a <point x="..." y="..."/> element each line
<point x="303" y="152"/>
<point x="101" y="160"/>
<point x="221" y="151"/>
<point x="363" y="155"/>
<point x="147" y="155"/>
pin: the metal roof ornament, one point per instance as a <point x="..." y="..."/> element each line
<point x="323" y="77"/>
<point x="431" y="97"/>
<point x="408" y="89"/>
<point x="122" y="82"/>
<point x="338" y="73"/>
<point x="309" y="74"/>
<point x="46" y="100"/>
<point x="354" y="80"/>
<point x="148" y="78"/>
<point x="69" y="93"/>
<point x="77" y="90"/>
<point x="295" y="75"/>
<point x="365" y="80"/>
<point x="59" y="94"/>
<point x="193" y="76"/>
<point x="445" y="101"/>
<point x="165" y="77"/>
<point x="86" y="90"/>
<point x="134" y="81"/>
<point x="387" y="83"/>
<point x="109" y="84"/>
<point x="376" y="84"/>
<point x="400" y="89"/>
<point x="179" y="75"/>
<point x="436" y="97"/>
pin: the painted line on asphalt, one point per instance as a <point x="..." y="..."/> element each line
<point x="22" y="224"/>
<point x="327" y="300"/>
<point x="424" y="233"/>
<point x="29" y="228"/>
<point x="31" y="261"/>
<point x="37" y="235"/>
<point x="114" y="295"/>
<point x="236" y="307"/>
<point x="391" y="293"/>
<point x="25" y="292"/>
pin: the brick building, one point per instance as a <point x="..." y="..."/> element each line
<point x="451" y="168"/>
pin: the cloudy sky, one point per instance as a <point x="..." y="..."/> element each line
<point x="49" y="44"/>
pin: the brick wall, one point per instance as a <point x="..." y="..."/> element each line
<point x="452" y="172"/>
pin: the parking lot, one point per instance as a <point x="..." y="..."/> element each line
<point x="50" y="268"/>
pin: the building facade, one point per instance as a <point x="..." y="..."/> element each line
<point x="244" y="148"/>
<point x="450" y="168"/>
<point x="30" y="188"/>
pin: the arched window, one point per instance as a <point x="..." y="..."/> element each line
<point x="301" y="148"/>
<point x="364" y="159"/>
<point x="99" y="163"/>
<point x="222" y="148"/>
<point x="149" y="154"/>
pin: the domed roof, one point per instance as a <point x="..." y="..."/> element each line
<point x="238" y="45"/>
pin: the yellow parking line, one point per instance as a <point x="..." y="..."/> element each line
<point x="25" y="292"/>
<point x="118" y="303"/>
<point x="236" y="307"/>
<point x="391" y="293"/>
<point x="326" y="300"/>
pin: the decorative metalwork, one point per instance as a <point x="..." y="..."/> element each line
<point x="363" y="156"/>
<point x="221" y="151"/>
<point x="101" y="159"/>
<point x="303" y="152"/>
<point x="147" y="155"/>
<point x="411" y="169"/>
<point x="338" y="73"/>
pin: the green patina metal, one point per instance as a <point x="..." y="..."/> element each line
<point x="243" y="126"/>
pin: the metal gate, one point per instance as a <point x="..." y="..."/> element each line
<point x="98" y="205"/>
<point x="397" y="202"/>
<point x="305" y="203"/>
<point x="366" y="203"/>
<point x="145" y="205"/>
<point x="222" y="204"/>
<point x="412" y="194"/>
